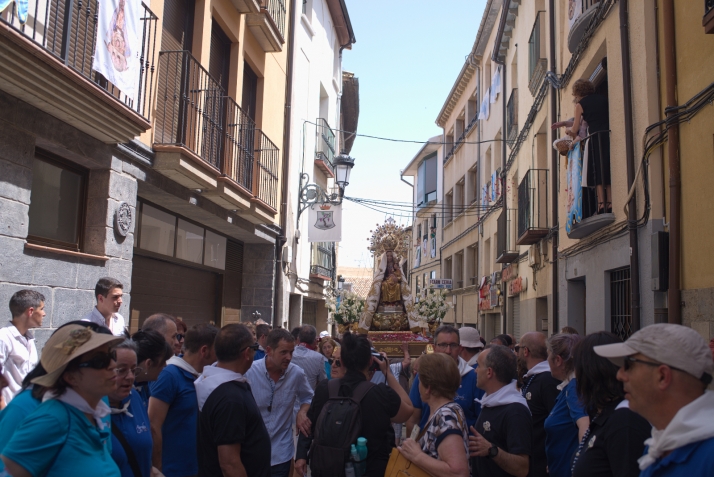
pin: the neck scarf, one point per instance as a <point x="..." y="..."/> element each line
<point x="122" y="410"/>
<point x="464" y="367"/>
<point x="692" y="423"/>
<point x="181" y="363"/>
<point x="72" y="398"/>
<point x="212" y="377"/>
<point x="308" y="346"/>
<point x="508" y="394"/>
<point x="541" y="367"/>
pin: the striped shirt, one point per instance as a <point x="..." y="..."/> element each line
<point x="276" y="402"/>
<point x="312" y="362"/>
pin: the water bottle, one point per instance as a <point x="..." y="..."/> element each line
<point x="350" y="470"/>
<point x="362" y="451"/>
<point x="357" y="469"/>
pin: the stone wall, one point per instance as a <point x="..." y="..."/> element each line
<point x="67" y="282"/>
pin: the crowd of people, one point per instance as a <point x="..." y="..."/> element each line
<point x="252" y="401"/>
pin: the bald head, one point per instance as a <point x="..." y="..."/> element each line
<point x="536" y="343"/>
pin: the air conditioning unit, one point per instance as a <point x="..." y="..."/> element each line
<point x="534" y="255"/>
<point x="544" y="249"/>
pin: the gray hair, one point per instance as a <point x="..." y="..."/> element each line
<point x="128" y="344"/>
<point x="503" y="362"/>
<point x="308" y="334"/>
<point x="157" y="322"/>
<point x="24" y="299"/>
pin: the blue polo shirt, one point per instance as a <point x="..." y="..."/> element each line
<point x="19" y="408"/>
<point x="561" y="431"/>
<point x="58" y="440"/>
<point x="137" y="432"/>
<point x="175" y="388"/>
<point x="694" y="459"/>
<point x="465" y="397"/>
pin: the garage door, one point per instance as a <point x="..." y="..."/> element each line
<point x="163" y="287"/>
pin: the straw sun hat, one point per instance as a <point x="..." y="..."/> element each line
<point x="64" y="345"/>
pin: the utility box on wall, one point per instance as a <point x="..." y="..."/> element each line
<point x="660" y="261"/>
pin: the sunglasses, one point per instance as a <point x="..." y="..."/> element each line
<point x="254" y="347"/>
<point x="519" y="347"/>
<point x="99" y="360"/>
<point x="337" y="363"/>
<point x="179" y="337"/>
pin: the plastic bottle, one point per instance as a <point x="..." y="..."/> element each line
<point x="350" y="470"/>
<point x="356" y="459"/>
<point x="362" y="451"/>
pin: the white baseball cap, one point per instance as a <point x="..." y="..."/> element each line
<point x="677" y="346"/>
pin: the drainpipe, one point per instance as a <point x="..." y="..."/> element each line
<point x="555" y="173"/>
<point x="630" y="155"/>
<point x="674" y="298"/>
<point x="287" y="117"/>
<point x="504" y="204"/>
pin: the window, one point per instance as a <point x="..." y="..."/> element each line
<point x="426" y="181"/>
<point x="166" y="234"/>
<point x="620" y="303"/>
<point x="448" y="205"/>
<point x="459" y="197"/>
<point x="433" y="275"/>
<point x="57" y="202"/>
<point x="158" y="230"/>
<point x="472" y="186"/>
<point x="459" y="270"/>
<point x="447" y="268"/>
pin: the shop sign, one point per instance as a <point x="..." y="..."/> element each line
<point x="510" y="272"/>
<point x="517" y="286"/>
<point x="484" y="302"/>
<point x="494" y="297"/>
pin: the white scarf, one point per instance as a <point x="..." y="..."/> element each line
<point x="181" y="363"/>
<point x="541" y="367"/>
<point x="122" y="410"/>
<point x="474" y="359"/>
<point x="692" y="423"/>
<point x="508" y="394"/>
<point x="212" y="377"/>
<point x="464" y="367"/>
<point x="72" y="398"/>
<point x="562" y="385"/>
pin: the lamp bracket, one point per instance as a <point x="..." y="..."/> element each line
<point x="312" y="194"/>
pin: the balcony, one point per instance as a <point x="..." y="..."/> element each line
<point x="205" y="141"/>
<point x="246" y="6"/>
<point x="708" y="19"/>
<point x="583" y="217"/>
<point x="512" y="118"/>
<point x="47" y="62"/>
<point x="537" y="63"/>
<point x="533" y="207"/>
<point x="322" y="265"/>
<point x="268" y="25"/>
<point x="507" y="249"/>
<point x="325" y="148"/>
<point x="581" y="23"/>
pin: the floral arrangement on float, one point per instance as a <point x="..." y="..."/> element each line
<point x="432" y="307"/>
<point x="349" y="312"/>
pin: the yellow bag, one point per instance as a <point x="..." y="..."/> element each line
<point x="400" y="466"/>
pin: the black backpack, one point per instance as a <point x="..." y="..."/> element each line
<point x="338" y="427"/>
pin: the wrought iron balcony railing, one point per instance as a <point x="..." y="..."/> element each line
<point x="276" y="10"/>
<point x="537" y="63"/>
<point x="533" y="207"/>
<point x="322" y="260"/>
<point x="193" y="111"/>
<point x="325" y="147"/>
<point x="512" y="118"/>
<point x="68" y="30"/>
<point x="267" y="160"/>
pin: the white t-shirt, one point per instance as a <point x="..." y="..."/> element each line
<point x="18" y="355"/>
<point x="116" y="323"/>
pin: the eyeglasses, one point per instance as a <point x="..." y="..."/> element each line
<point x="123" y="372"/>
<point x="179" y="336"/>
<point x="254" y="347"/>
<point x="519" y="347"/>
<point x="629" y="360"/>
<point x="452" y="346"/>
<point x="99" y="360"/>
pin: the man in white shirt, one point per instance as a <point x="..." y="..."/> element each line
<point x="108" y="293"/>
<point x="306" y="356"/>
<point x="18" y="353"/>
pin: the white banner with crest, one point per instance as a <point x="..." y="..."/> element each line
<point x="324" y="223"/>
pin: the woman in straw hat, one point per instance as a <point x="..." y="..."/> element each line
<point x="66" y="435"/>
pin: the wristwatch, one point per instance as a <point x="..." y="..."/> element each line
<point x="492" y="451"/>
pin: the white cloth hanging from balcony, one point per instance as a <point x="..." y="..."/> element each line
<point x="325" y="223"/>
<point x="484" y="111"/>
<point x="495" y="85"/>
<point x="116" y="56"/>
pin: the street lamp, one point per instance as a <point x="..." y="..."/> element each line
<point x="340" y="282"/>
<point x="311" y="194"/>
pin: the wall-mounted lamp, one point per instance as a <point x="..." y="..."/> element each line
<point x="311" y="194"/>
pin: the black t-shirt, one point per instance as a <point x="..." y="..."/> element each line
<point x="509" y="427"/>
<point x="616" y="441"/>
<point x="230" y="416"/>
<point x="541" y="392"/>
<point x="379" y="406"/>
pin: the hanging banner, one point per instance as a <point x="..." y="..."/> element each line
<point x="117" y="53"/>
<point x="496" y="85"/>
<point x="574" y="206"/>
<point x="575" y="9"/>
<point x="494" y="186"/>
<point x="417" y="258"/>
<point x="484" y="112"/>
<point x="325" y="223"/>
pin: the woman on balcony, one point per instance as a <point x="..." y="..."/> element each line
<point x="593" y="108"/>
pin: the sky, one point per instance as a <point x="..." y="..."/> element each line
<point x="407" y="56"/>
